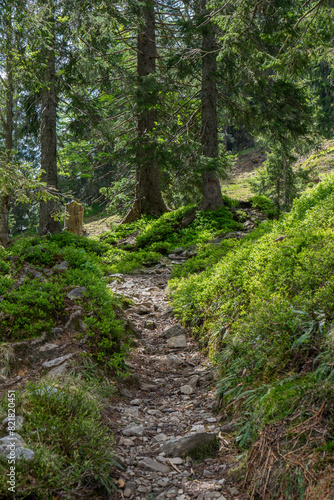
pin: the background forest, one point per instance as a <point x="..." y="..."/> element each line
<point x="143" y="105"/>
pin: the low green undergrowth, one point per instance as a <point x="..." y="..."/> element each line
<point x="206" y="257"/>
<point x="265" y="205"/>
<point x="73" y="446"/>
<point x="33" y="295"/>
<point x="265" y="311"/>
<point x="154" y="238"/>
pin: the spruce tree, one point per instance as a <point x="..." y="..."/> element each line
<point x="48" y="134"/>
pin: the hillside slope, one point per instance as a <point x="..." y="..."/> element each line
<point x="265" y="310"/>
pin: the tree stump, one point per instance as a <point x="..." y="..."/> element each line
<point x="74" y="218"/>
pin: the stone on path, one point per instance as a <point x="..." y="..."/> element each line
<point x="173" y="331"/>
<point x="177" y="342"/>
<point x="186" y="389"/>
<point x="56" y="361"/>
<point x="179" y="447"/>
<point x="194" y="381"/>
<point x="130" y="489"/>
<point x="128" y="442"/>
<point x="152" y="465"/>
<point x="147" y="387"/>
<point x="160" y="437"/>
<point x="132" y="411"/>
<point x="134" y="430"/>
<point x="135" y="402"/>
<point x="172" y="361"/>
<point x="58" y="370"/>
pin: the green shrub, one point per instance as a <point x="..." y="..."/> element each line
<point x="72" y="445"/>
<point x="155" y="238"/>
<point x="264" y="311"/>
<point x="34" y="305"/>
<point x="164" y="228"/>
<point x="265" y="205"/>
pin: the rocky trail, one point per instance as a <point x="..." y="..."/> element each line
<point x="170" y="406"/>
<point x="169" y="438"/>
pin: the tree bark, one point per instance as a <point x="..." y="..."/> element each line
<point x="4" y="218"/>
<point x="284" y="182"/>
<point x="148" y="197"/>
<point x="5" y="197"/>
<point x="212" y="196"/>
<point x="47" y="209"/>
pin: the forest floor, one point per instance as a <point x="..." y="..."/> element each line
<point x="171" y="396"/>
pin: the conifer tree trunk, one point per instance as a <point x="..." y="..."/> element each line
<point x="148" y="198"/>
<point x="5" y="197"/>
<point x="47" y="224"/>
<point x="212" y="196"/>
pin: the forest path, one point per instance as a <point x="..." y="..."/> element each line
<point x="173" y="397"/>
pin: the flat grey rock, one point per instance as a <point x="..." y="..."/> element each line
<point x="130" y="489"/>
<point x="13" y="438"/>
<point x="125" y="392"/>
<point x="152" y="465"/>
<point x="20" y="452"/>
<point x="147" y="387"/>
<point x="160" y="437"/>
<point x="174" y="331"/>
<point x="135" y="402"/>
<point x="77" y="293"/>
<point x="180" y="447"/>
<point x="177" y="342"/>
<point x="56" y="361"/>
<point x="48" y="347"/>
<point x="15" y="444"/>
<point x="234" y="490"/>
<point x="57" y="371"/>
<point x="134" y="430"/>
<point x="62" y="267"/>
<point x="186" y="389"/>
<point x="133" y="411"/>
<point x="24" y="453"/>
<point x="172" y="361"/>
<point x="172" y="492"/>
<point x="128" y="442"/>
